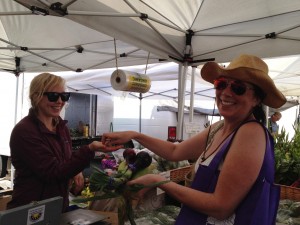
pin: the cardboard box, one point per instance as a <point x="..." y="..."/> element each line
<point x="112" y="217"/>
<point x="4" y="199"/>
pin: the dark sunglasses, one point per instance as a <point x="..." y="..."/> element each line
<point x="53" y="96"/>
<point x="237" y="87"/>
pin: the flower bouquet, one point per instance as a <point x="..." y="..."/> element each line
<point x="106" y="185"/>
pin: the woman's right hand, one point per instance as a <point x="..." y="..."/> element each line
<point x="117" y="138"/>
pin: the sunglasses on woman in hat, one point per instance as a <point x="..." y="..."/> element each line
<point x="249" y="69"/>
<point x="236" y="86"/>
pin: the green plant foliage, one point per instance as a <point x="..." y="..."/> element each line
<point x="287" y="157"/>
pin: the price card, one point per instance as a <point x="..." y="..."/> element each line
<point x="192" y="128"/>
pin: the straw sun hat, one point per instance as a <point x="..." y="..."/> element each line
<point x="250" y="69"/>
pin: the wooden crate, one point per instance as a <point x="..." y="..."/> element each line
<point x="288" y="192"/>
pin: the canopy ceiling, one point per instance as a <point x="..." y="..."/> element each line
<point x="190" y="31"/>
<point x="285" y="71"/>
<point x="80" y="35"/>
<point x="35" y="43"/>
<point x="163" y="76"/>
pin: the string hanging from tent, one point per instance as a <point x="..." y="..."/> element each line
<point x="141" y="98"/>
<point x="122" y="80"/>
<point x="134" y="83"/>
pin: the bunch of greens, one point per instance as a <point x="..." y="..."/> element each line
<point x="114" y="186"/>
<point x="165" y="215"/>
<point x="287" y="157"/>
<point x="288" y="212"/>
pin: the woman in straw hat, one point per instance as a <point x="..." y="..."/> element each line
<point x="234" y="177"/>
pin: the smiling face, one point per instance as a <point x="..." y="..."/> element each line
<point x="235" y="99"/>
<point x="47" y="109"/>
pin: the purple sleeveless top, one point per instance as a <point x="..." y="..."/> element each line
<point x="259" y="206"/>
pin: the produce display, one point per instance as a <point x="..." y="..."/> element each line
<point x="165" y="165"/>
<point x="288" y="212"/>
<point x="287" y="157"/>
<point x="109" y="182"/>
<point x="101" y="181"/>
<point x="165" y="215"/>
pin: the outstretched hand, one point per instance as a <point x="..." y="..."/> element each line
<point x="146" y="180"/>
<point x="99" y="146"/>
<point x="117" y="138"/>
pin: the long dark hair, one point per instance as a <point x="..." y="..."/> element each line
<point x="258" y="111"/>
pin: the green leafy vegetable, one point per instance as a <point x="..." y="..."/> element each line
<point x="114" y="186"/>
<point x="287" y="157"/>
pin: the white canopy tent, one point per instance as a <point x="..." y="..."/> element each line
<point x="76" y="35"/>
<point x="79" y="35"/>
<point x="34" y="43"/>
<point x="189" y="31"/>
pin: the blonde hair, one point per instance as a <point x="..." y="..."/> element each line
<point x="42" y="83"/>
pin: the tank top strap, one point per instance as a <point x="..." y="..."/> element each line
<point x="212" y="133"/>
<point x="225" y="147"/>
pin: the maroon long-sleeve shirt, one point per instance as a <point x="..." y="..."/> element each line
<point x="43" y="161"/>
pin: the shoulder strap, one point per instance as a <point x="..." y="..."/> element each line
<point x="225" y="147"/>
<point x="212" y="133"/>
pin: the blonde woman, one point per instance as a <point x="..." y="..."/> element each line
<point x="41" y="148"/>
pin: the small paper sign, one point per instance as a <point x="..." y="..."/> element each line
<point x="192" y="128"/>
<point x="36" y="215"/>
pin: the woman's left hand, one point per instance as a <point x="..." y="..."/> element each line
<point x="78" y="184"/>
<point x="146" y="180"/>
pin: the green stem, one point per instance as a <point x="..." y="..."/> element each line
<point x="129" y="211"/>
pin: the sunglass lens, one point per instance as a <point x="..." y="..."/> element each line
<point x="220" y="84"/>
<point x="238" y="88"/>
<point x="52" y="96"/>
<point x="65" y="96"/>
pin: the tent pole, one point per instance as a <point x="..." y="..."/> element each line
<point x="267" y="115"/>
<point x="140" y="118"/>
<point x="12" y="169"/>
<point x="191" y="115"/>
<point x="93" y="115"/>
<point x="178" y="129"/>
<point x="181" y="98"/>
